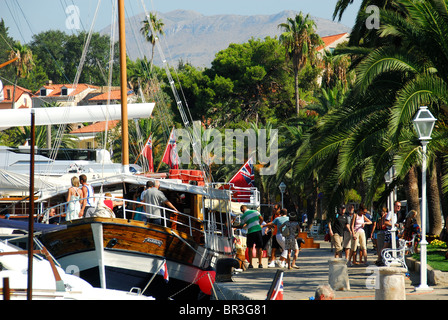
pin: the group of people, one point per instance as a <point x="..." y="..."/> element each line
<point x="348" y="231"/>
<point x="283" y="229"/>
<point x="81" y="204"/>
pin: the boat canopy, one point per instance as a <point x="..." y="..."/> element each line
<point x="16" y="182"/>
<point x="37" y="227"/>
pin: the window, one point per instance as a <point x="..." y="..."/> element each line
<point x="43" y="92"/>
<point x="64" y="91"/>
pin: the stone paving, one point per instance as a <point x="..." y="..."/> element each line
<point x="300" y="284"/>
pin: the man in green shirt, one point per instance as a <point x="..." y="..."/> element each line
<point x="253" y="220"/>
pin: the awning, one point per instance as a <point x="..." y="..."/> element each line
<point x="23" y="225"/>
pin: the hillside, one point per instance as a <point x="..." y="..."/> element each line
<point x="196" y="38"/>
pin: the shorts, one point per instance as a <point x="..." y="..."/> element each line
<point x="361" y="238"/>
<point x="275" y="244"/>
<point x="281" y="241"/>
<point x="347" y="241"/>
<point x="255" y="238"/>
<point x="336" y="239"/>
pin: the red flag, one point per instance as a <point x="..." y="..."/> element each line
<point x="164" y="271"/>
<point x="242" y="180"/>
<point x="170" y="156"/>
<point x="147" y="152"/>
<point x="278" y="290"/>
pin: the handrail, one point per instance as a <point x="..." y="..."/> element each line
<point x="165" y="213"/>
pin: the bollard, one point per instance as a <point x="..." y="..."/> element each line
<point x="391" y="284"/>
<point x="338" y="274"/>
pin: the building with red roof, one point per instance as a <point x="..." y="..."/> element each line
<point x="330" y="42"/>
<point x="22" y="98"/>
<point x="87" y="134"/>
<point x="64" y="94"/>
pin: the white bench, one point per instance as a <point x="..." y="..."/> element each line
<point x="398" y="256"/>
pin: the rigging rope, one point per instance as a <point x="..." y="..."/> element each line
<point x="187" y="121"/>
<point x="60" y="132"/>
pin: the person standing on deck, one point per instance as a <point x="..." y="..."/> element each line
<point x="155" y="198"/>
<point x="88" y="204"/>
<point x="74" y="194"/>
<point x="253" y="220"/>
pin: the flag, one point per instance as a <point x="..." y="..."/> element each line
<point x="242" y="180"/>
<point x="277" y="294"/>
<point x="170" y="156"/>
<point x="147" y="152"/>
<point x="164" y="271"/>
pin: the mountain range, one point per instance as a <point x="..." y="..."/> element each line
<point x="196" y="38"/>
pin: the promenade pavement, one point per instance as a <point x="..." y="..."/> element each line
<point x="300" y="284"/>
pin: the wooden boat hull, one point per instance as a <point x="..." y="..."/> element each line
<point x="122" y="254"/>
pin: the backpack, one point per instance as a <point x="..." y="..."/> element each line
<point x="285" y="229"/>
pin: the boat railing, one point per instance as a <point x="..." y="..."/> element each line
<point x="169" y="218"/>
<point x="243" y="195"/>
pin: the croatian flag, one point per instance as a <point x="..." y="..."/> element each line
<point x="244" y="178"/>
<point x="170" y="156"/>
<point x="278" y="290"/>
<point x="147" y="152"/>
<point x="164" y="271"/>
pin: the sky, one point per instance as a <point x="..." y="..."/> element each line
<point x="27" y="17"/>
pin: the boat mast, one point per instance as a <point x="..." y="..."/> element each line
<point x="29" y="292"/>
<point x="123" y="86"/>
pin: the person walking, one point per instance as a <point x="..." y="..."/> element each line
<point x="278" y="222"/>
<point x="252" y="219"/>
<point x="383" y="234"/>
<point x="359" y="235"/>
<point x="274" y="243"/>
<point x="290" y="230"/>
<point x="74" y="194"/>
<point x="348" y="233"/>
<point x="336" y="230"/>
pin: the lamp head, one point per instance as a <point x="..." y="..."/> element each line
<point x="424" y="123"/>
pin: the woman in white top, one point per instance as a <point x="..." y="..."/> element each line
<point x="359" y="220"/>
<point x="73" y="196"/>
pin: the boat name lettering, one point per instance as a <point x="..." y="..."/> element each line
<point x="154" y="241"/>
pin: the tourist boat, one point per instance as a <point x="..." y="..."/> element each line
<point x="118" y="252"/>
<point x="49" y="280"/>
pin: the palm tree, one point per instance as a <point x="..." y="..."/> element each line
<point x="23" y="65"/>
<point x="147" y="31"/>
<point x="301" y="41"/>
<point x="408" y="70"/>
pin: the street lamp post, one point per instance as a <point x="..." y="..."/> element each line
<point x="424" y="124"/>
<point x="282" y="188"/>
<point x="390" y="205"/>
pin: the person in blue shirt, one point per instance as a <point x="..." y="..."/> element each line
<point x="279" y="221"/>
